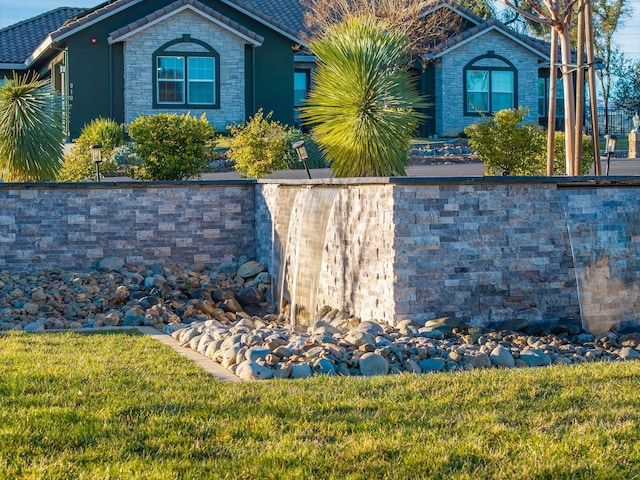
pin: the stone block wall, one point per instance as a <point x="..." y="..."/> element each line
<point x="138" y="65"/>
<point x="483" y="252"/>
<point x="71" y="226"/>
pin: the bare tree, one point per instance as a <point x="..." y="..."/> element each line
<point x="424" y="22"/>
<point x="608" y="15"/>
<point x="557" y="14"/>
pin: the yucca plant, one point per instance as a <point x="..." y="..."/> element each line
<point x="361" y="106"/>
<point x="31" y="129"/>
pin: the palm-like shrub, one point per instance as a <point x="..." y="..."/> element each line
<point x="31" y="129"/>
<point x="78" y="166"/>
<point x="361" y="106"/>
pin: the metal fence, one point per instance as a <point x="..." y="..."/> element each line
<point x="620" y="122"/>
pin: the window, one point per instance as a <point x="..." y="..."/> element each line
<point x="184" y="79"/>
<point x="489" y="85"/>
<point x="301" y="83"/>
<point x="543" y="98"/>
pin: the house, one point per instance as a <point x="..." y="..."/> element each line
<point x="482" y="68"/>
<point x="126" y="58"/>
<point x="227" y="58"/>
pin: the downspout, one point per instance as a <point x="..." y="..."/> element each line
<point x="110" y="79"/>
<point x="253" y="79"/>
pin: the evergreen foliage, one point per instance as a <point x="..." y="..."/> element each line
<point x="78" y="166"/>
<point x="31" y="129"/>
<point x="172" y="147"/>
<point x="262" y="146"/>
<point x="361" y="106"/>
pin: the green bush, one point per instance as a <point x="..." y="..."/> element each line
<point x="262" y="146"/>
<point x="507" y="146"/>
<point x="78" y="166"/>
<point x="31" y="129"/>
<point x="172" y="147"/>
<point x="559" y="156"/>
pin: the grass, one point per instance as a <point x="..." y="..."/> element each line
<point x="120" y="405"/>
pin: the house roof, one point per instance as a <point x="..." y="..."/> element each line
<point x="481" y="26"/>
<point x="179" y="6"/>
<point x="285" y="16"/>
<point x="19" y="41"/>
<point x="538" y="47"/>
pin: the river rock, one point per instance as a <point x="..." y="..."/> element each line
<point x="257" y="353"/>
<point x="478" y="360"/>
<point x="371" y="328"/>
<point x="250" y="370"/>
<point x="444" y="324"/>
<point x="323" y="366"/>
<point x="358" y="338"/>
<point x="250" y="296"/>
<point x="301" y="370"/>
<point x="534" y="358"/>
<point x="251" y="269"/>
<point x="373" y="364"/>
<point x="431" y="364"/>
<point x="31" y="308"/>
<point x="628" y="353"/>
<point x="34" y="327"/>
<point x="501" y="357"/>
<point x="109" y="264"/>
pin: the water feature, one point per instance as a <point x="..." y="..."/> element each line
<point x="604" y="231"/>
<point x="304" y="249"/>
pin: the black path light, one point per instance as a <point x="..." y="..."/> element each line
<point x="96" y="157"/>
<point x="609" y="148"/>
<point x="301" y="150"/>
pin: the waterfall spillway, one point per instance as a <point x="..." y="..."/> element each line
<point x="301" y="264"/>
<point x="605" y="241"/>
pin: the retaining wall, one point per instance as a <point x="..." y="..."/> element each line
<point x="73" y="225"/>
<point x="480" y="249"/>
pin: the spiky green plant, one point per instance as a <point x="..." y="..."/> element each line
<point x="361" y="106"/>
<point x="31" y="129"/>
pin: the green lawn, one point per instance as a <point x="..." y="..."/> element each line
<point x="120" y="405"/>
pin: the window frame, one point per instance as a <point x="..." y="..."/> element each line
<point x="164" y="52"/>
<point x="474" y="65"/>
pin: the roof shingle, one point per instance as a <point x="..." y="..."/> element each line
<point x="19" y="41"/>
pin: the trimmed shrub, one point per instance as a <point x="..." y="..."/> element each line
<point x="507" y="146"/>
<point x="262" y="146"/>
<point x="559" y="156"/>
<point x="172" y="147"/>
<point x="258" y="147"/>
<point x="78" y="166"/>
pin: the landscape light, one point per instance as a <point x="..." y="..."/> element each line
<point x="303" y="156"/>
<point x="96" y="157"/>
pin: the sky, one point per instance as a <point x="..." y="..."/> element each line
<point x="13" y="11"/>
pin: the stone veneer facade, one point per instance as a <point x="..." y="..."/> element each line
<point x="138" y="65"/>
<point x="71" y="226"/>
<point x="450" y="118"/>
<point x="480" y="249"/>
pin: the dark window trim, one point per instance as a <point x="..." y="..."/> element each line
<point x="471" y="66"/>
<point x="162" y="52"/>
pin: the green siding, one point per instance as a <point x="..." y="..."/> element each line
<point x="97" y="75"/>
